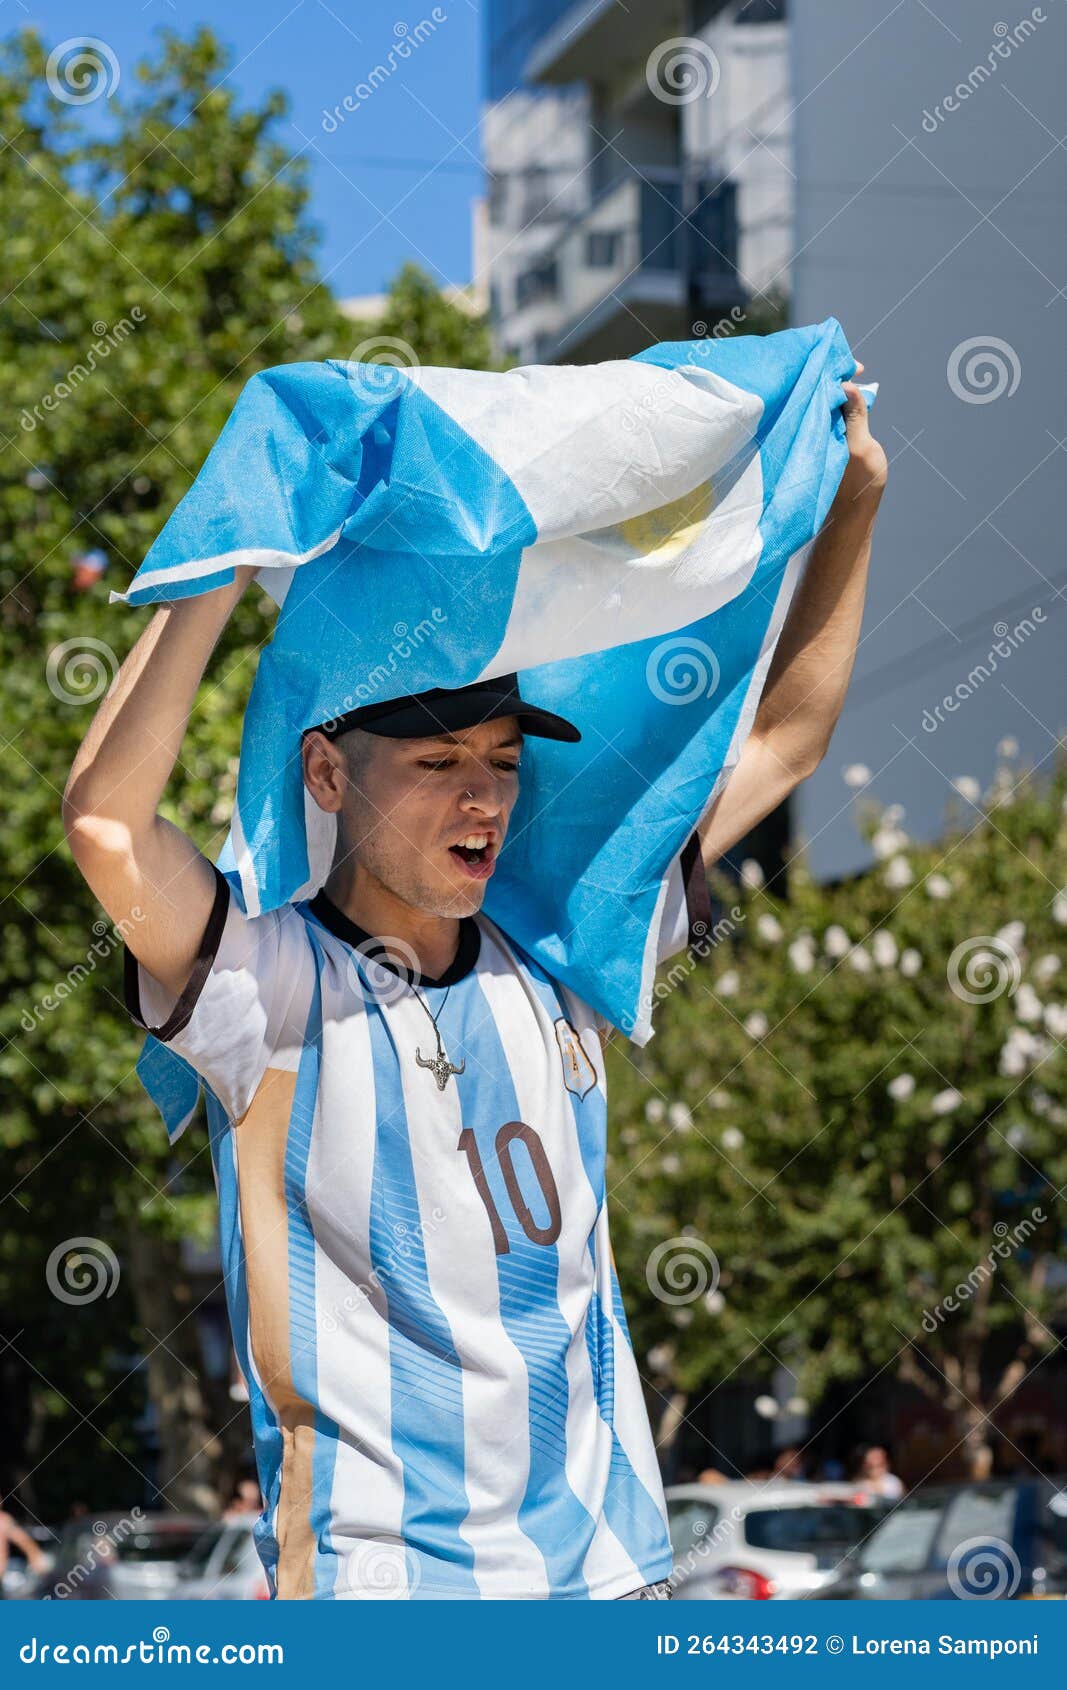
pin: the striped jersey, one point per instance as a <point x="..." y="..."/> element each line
<point x="444" y="1398"/>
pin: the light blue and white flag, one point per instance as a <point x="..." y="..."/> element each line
<point x="626" y="535"/>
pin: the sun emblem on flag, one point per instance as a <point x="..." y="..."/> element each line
<point x="664" y="534"/>
<point x="579" y="1075"/>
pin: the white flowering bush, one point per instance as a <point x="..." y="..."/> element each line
<point x="854" y="1101"/>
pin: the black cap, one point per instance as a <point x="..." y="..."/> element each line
<point x="446" y="709"/>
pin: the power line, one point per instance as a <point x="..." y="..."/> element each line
<point x="385" y="163"/>
<point x="914" y="665"/>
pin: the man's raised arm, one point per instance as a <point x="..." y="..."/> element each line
<point x="143" y="869"/>
<point x="812" y="663"/>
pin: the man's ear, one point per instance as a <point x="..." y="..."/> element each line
<point x="325" y="770"/>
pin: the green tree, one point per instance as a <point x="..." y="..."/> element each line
<point x="855" y="1103"/>
<point x="153" y="264"/>
<point x="419" y="324"/>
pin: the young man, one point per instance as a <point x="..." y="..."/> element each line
<point x="12" y="1536"/>
<point x="409" y="1117"/>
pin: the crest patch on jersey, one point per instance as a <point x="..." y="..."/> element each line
<point x="579" y="1075"/>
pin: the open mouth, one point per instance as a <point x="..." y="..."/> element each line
<point x="475" y="854"/>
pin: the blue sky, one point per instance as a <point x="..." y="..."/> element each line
<point x="394" y="179"/>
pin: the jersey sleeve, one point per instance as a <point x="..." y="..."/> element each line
<point x="236" y="1007"/>
<point x="686" y="916"/>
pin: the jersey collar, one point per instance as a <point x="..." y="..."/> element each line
<point x="337" y="922"/>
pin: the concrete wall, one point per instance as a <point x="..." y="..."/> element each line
<point x="922" y="228"/>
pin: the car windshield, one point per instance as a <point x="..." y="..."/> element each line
<point x="837" y="1523"/>
<point x="902" y="1543"/>
<point x="239" y="1550"/>
<point x="691" y="1524"/>
<point x="925" y="1529"/>
<point x="173" y="1544"/>
<point x="1053" y="1531"/>
<point x="976" y="1514"/>
<point x="202" y="1550"/>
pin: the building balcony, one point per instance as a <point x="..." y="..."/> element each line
<point x="629" y="270"/>
<point x="595" y="38"/>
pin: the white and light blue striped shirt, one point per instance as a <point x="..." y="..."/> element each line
<point x="444" y="1398"/>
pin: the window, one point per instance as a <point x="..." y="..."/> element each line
<point x="498" y="199"/>
<point x="237" y="1551"/>
<point x="761" y="11"/>
<point x="538" y="283"/>
<point x="602" y="248"/>
<point x="536" y="195"/>
<point x="902" y="1543"/>
<point x="839" y="1524"/>
<point x="692" y="1524"/>
<point x="976" y="1513"/>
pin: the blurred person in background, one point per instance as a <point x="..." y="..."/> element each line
<point x="247" y="1499"/>
<point x="789" y="1464"/>
<point x="711" y="1476"/>
<point x="873" y="1469"/>
<point x="12" y="1536"/>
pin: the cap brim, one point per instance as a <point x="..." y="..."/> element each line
<point x="466" y="709"/>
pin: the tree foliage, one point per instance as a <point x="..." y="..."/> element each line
<point x="858" y="1101"/>
<point x="154" y="262"/>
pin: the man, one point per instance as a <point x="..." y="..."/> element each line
<point x="12" y="1536"/>
<point x="876" y="1475"/>
<point x="409" y="1116"/>
<point x="789" y="1464"/>
<point x="247" y="1499"/>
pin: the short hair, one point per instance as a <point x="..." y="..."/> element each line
<point x="355" y="747"/>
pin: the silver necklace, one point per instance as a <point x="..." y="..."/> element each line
<point x="439" y="1065"/>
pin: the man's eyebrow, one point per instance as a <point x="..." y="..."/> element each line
<point x="454" y="739"/>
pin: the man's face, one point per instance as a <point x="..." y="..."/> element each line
<point x="427" y="817"/>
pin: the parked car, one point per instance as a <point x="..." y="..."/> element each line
<point x="224" y="1566"/>
<point x="1000" y="1538"/>
<point x="764" y="1540"/>
<point x="110" y="1556"/>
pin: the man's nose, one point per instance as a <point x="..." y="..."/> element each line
<point x="481" y="791"/>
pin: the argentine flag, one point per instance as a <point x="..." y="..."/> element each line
<point x="625" y="535"/>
